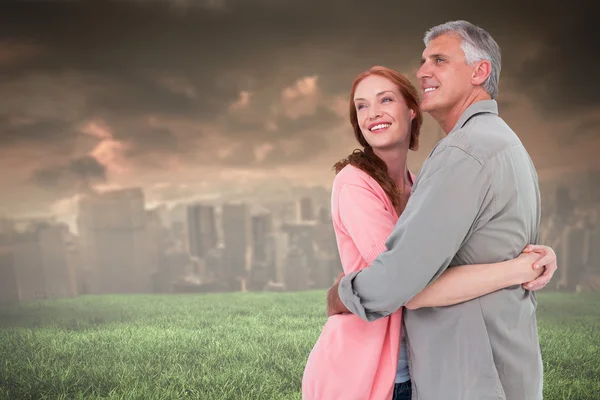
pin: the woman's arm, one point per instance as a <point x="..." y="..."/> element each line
<point x="463" y="283"/>
<point x="360" y="212"/>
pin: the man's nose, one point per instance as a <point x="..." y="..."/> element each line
<point x="423" y="72"/>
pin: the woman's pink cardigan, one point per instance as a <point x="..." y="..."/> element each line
<point x="354" y="359"/>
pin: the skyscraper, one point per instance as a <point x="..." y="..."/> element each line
<point x="237" y="238"/>
<point x="115" y="242"/>
<point x="202" y="229"/>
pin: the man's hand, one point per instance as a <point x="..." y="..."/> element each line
<point x="548" y="261"/>
<point x="334" y="303"/>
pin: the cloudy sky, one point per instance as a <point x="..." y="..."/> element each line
<point x="186" y="95"/>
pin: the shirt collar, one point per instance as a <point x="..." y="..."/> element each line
<point x="479" y="107"/>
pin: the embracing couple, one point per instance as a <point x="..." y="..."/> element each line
<point x="437" y="301"/>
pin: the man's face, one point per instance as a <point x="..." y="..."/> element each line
<point x="444" y="76"/>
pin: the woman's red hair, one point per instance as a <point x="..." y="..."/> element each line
<point x="366" y="159"/>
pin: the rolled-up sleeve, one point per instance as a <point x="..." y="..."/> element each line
<point x="452" y="191"/>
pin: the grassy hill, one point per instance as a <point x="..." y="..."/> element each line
<point x="225" y="346"/>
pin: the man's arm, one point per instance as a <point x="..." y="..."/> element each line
<point x="463" y="283"/>
<point x="449" y="197"/>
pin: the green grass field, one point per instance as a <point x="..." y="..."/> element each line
<point x="225" y="346"/>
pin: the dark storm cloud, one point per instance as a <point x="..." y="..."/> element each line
<point x="191" y="59"/>
<point x="294" y="141"/>
<point x="87" y="167"/>
<point x="304" y="113"/>
<point x="109" y="35"/>
<point x="130" y="53"/>
<point x="564" y="77"/>
<point x="70" y="176"/>
<point x="322" y="121"/>
<point x="143" y="141"/>
<point x="313" y="130"/>
<point x="301" y="151"/>
<point x="136" y="96"/>
<point x="589" y="129"/>
<point x="49" y="133"/>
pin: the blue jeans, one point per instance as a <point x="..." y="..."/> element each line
<point x="403" y="391"/>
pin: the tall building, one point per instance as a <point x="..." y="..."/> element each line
<point x="179" y="234"/>
<point x="59" y="275"/>
<point x="324" y="215"/>
<point x="202" y="229"/>
<point x="594" y="247"/>
<point x="296" y="275"/>
<point x="278" y="247"/>
<point x="115" y="242"/>
<point x="283" y="211"/>
<point x="325" y="271"/>
<point x="158" y="241"/>
<point x="302" y="240"/>
<point x="74" y="263"/>
<point x="8" y="278"/>
<point x="6" y="226"/>
<point x="237" y="240"/>
<point x="34" y="264"/>
<point x="307" y="209"/>
<point x="262" y="227"/>
<point x="9" y="292"/>
<point x="263" y="264"/>
<point x="29" y="267"/>
<point x="328" y="263"/>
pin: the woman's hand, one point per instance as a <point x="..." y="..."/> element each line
<point x="546" y="264"/>
<point x="522" y="268"/>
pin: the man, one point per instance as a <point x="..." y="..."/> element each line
<point x="476" y="200"/>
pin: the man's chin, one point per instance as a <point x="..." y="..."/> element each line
<point x="427" y="107"/>
<point x="430" y="106"/>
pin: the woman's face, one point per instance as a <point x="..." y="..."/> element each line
<point x="383" y="116"/>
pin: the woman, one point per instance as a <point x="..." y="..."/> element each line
<point x="358" y="360"/>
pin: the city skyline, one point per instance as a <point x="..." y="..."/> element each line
<point x="120" y="246"/>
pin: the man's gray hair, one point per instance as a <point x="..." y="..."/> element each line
<point x="477" y="44"/>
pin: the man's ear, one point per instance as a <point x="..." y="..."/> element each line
<point x="482" y="70"/>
